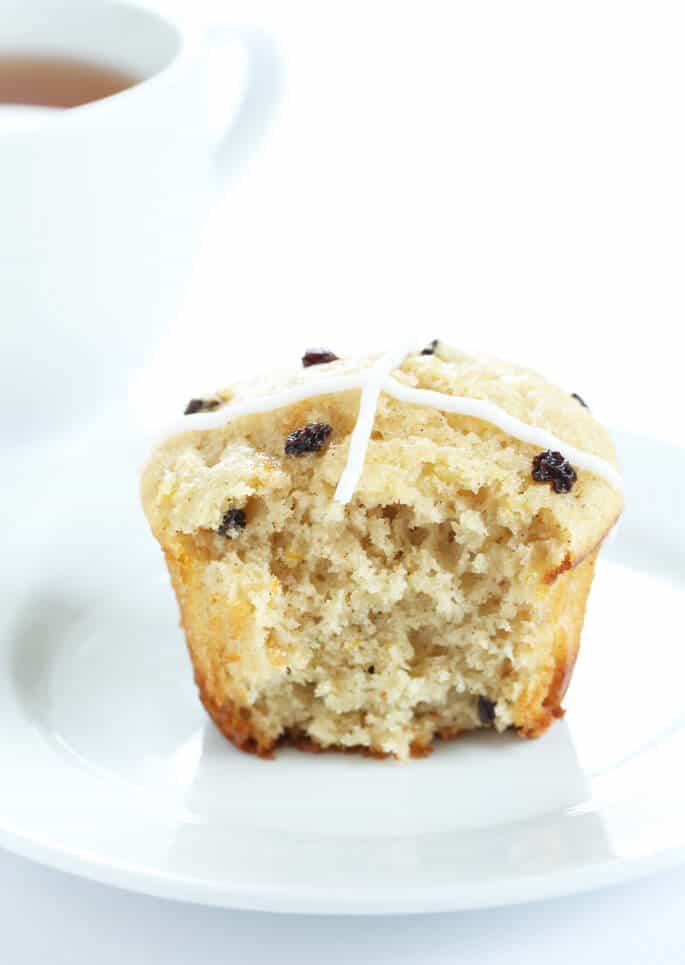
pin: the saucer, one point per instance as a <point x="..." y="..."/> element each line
<point x="112" y="771"/>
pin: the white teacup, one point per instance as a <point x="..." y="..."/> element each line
<point x="102" y="203"/>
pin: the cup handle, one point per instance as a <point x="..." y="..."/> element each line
<point x="259" y="102"/>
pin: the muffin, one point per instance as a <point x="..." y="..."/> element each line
<point x="371" y="553"/>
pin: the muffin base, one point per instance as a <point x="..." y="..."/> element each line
<point x="533" y="714"/>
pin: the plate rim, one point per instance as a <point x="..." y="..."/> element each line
<point x="492" y="893"/>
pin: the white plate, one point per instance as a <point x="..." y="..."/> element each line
<point x="110" y="769"/>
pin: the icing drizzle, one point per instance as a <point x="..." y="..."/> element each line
<point x="378" y="375"/>
<point x="377" y="379"/>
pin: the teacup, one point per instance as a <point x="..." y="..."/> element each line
<point x="102" y="203"/>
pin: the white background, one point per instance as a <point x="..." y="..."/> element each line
<point x="507" y="176"/>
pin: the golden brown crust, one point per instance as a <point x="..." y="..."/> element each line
<point x="536" y="711"/>
<point x="568" y="563"/>
<point x="234" y="723"/>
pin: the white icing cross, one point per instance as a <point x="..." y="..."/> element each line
<point x="361" y="434"/>
<point x="377" y="379"/>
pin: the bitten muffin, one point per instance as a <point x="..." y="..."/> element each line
<point x="447" y="594"/>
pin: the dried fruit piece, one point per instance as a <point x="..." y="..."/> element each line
<point x="201" y="405"/>
<point x="549" y="466"/>
<point x="318" y="356"/>
<point x="430" y="348"/>
<point x="310" y="438"/>
<point x="232" y="523"/>
<point x="486" y="710"/>
<point x="574" y="395"/>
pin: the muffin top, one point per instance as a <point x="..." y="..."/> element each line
<point x="479" y="432"/>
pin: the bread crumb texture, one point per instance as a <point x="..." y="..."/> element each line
<point x="452" y="582"/>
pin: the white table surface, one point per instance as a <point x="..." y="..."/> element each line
<point x="51" y="917"/>
<point x="509" y="176"/>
